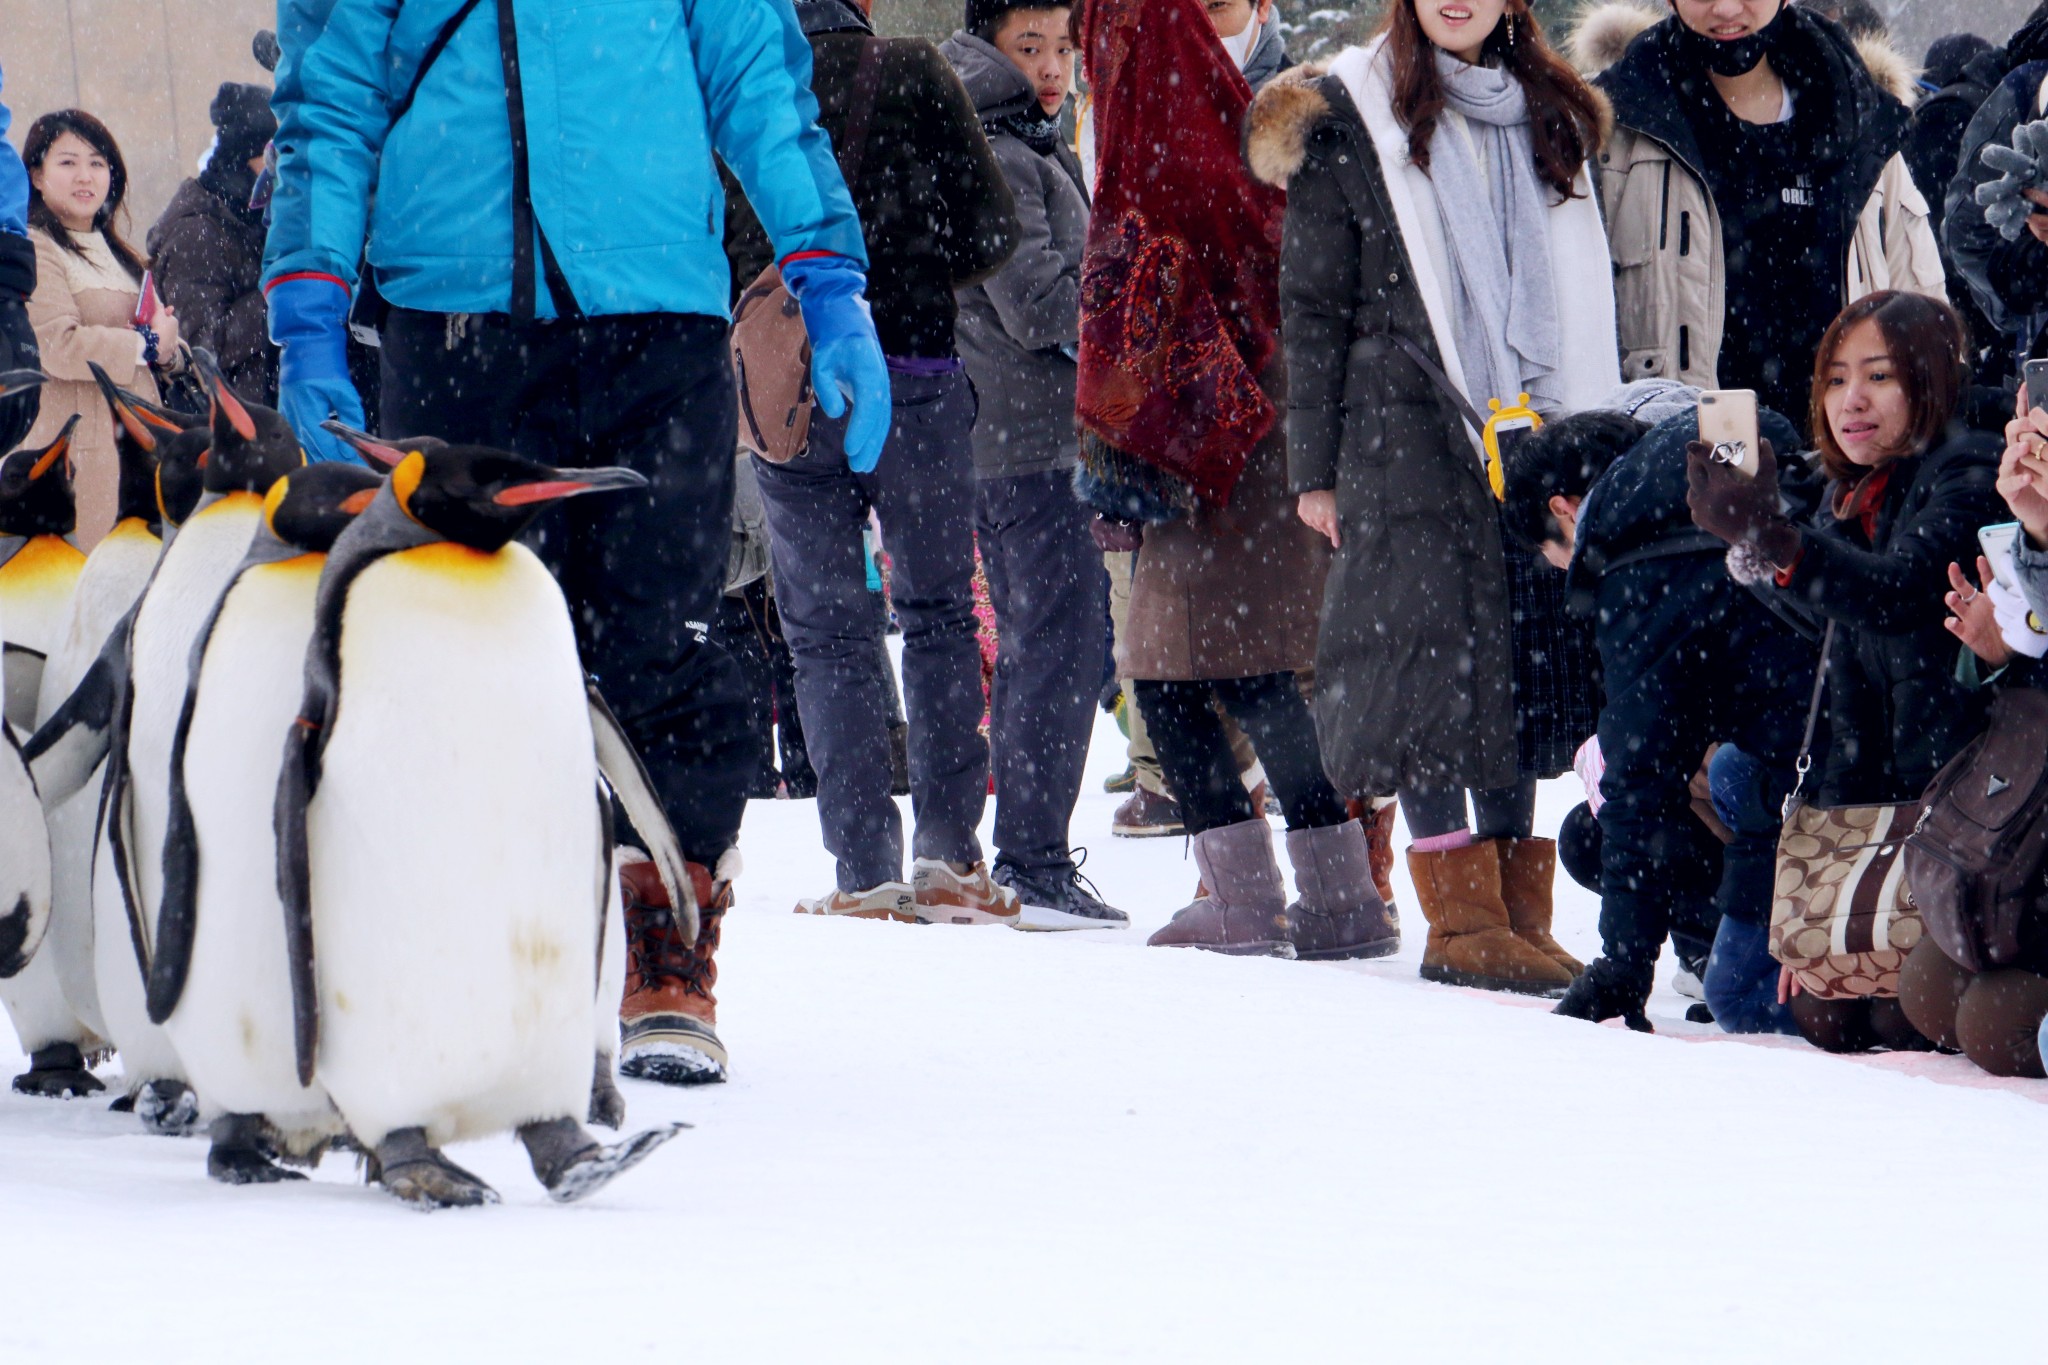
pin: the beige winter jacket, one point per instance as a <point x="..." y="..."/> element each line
<point x="1670" y="269"/>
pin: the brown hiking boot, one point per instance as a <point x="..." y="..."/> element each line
<point x="1379" y="840"/>
<point x="1146" y="815"/>
<point x="1469" y="942"/>
<point x="1245" y="911"/>
<point x="1339" y="914"/>
<point x="1528" y="868"/>
<point x="669" y="1016"/>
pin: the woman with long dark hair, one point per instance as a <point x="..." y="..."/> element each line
<point x="1443" y="249"/>
<point x="88" y="282"/>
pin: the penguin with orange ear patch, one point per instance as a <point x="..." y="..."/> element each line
<point x="217" y="981"/>
<point x="443" y="661"/>
<point x="24" y="842"/>
<point x="39" y="566"/>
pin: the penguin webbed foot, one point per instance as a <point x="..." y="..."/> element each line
<point x="243" y="1152"/>
<point x="57" y="1072"/>
<point x="166" y="1107"/>
<point x="571" y="1164"/>
<point x="411" y="1170"/>
<point x="607" y="1105"/>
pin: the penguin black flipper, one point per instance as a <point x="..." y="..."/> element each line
<point x="607" y="872"/>
<point x="177" y="918"/>
<point x="67" y="748"/>
<point x="620" y="763"/>
<point x="25" y="856"/>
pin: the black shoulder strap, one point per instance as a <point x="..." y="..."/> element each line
<point x="524" y="229"/>
<point x="1820" y="687"/>
<point x="860" y="111"/>
<point x="1442" y="381"/>
<point x="432" y="55"/>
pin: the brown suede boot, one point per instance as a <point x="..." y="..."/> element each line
<point x="1339" y="914"/>
<point x="1379" y="839"/>
<point x="1245" y="911"/>
<point x="1469" y="942"/>
<point x="669" y="1016"/>
<point x="1528" y="869"/>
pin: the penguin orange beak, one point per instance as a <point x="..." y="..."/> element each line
<point x="57" y="450"/>
<point x="225" y="404"/>
<point x="375" y="450"/>
<point x="599" y="480"/>
<point x="14" y="381"/>
<point x="135" y="414"/>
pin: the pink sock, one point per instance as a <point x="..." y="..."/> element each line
<point x="1442" y="843"/>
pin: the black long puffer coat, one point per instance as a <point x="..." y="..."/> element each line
<point x="1896" y="711"/>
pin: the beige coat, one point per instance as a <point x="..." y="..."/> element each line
<point x="82" y="311"/>
<point x="1670" y="269"/>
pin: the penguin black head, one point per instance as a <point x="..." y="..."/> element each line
<point x="180" y="475"/>
<point x="382" y="452"/>
<point x="139" y="427"/>
<point x="253" y="446"/>
<point x="309" y="507"/>
<point x="35" y="489"/>
<point x="483" y="498"/>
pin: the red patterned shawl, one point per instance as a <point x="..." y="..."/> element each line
<point x="1180" y="282"/>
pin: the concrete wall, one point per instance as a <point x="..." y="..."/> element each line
<point x="147" y="68"/>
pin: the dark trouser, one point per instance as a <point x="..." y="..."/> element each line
<point x="1741" y="981"/>
<point x="643" y="570"/>
<point x="1728" y="672"/>
<point x="1046" y="582"/>
<point x="923" y="491"/>
<point x="748" y="630"/>
<point x="1195" y="756"/>
<point x="1498" y="813"/>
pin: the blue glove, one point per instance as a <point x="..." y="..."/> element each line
<point x="309" y="319"/>
<point x="846" y="356"/>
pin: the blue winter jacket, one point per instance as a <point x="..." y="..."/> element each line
<point x="626" y="101"/>
<point x="13" y="178"/>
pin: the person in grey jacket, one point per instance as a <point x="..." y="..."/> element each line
<point x="1018" y="331"/>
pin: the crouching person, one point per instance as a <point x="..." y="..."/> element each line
<point x="1690" y="657"/>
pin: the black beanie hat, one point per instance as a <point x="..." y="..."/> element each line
<point x="985" y="16"/>
<point x="242" y="115"/>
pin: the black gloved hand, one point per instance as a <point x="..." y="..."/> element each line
<point x="1737" y="507"/>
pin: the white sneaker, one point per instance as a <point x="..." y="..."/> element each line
<point x="890" y="900"/>
<point x="972" y="897"/>
<point x="1688" y="985"/>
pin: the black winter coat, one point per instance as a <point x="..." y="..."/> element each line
<point x="1414" y="679"/>
<point x="207" y="254"/>
<point x="2008" y="280"/>
<point x="933" y="203"/>
<point x="1895" y="709"/>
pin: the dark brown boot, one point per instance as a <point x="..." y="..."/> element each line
<point x="1470" y="943"/>
<point x="1379" y="838"/>
<point x="1528" y="870"/>
<point x="1245" y="911"/>
<point x="1339" y="914"/>
<point x="669" y="1016"/>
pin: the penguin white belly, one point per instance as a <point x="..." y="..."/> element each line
<point x="454" y="852"/>
<point x="233" y="1023"/>
<point x="112" y="579"/>
<point x="36" y="587"/>
<point x="146" y="1051"/>
<point x="197" y="565"/>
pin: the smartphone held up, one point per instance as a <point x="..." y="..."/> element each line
<point x="1728" y="426"/>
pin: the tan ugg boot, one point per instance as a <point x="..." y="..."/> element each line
<point x="1528" y="869"/>
<point x="1469" y="942"/>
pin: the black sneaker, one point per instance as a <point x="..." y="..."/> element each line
<point x="1055" y="898"/>
<point x="1608" y="990"/>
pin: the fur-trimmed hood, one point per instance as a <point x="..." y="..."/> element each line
<point x="1606" y="28"/>
<point x="1276" y="130"/>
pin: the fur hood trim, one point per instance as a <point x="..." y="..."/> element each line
<point x="1605" y="28"/>
<point x="1276" y="128"/>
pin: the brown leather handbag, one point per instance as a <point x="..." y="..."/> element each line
<point x="771" y="351"/>
<point x="1842" y="914"/>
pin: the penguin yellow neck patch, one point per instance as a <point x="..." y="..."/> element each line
<point x="405" y="481"/>
<point x="272" y="501"/>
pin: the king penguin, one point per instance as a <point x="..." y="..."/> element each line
<point x="153" y="493"/>
<point x="218" y="982"/>
<point x="444" y="842"/>
<point x="39" y="566"/>
<point x="250" y="448"/>
<point x="24" y="838"/>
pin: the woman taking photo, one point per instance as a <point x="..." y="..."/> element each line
<point x="1909" y="486"/>
<point x="88" y="282"/>
<point x="1443" y="247"/>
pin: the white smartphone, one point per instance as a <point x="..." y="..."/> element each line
<point x="1998" y="542"/>
<point x="1728" y="425"/>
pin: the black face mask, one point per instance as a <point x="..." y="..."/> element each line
<point x="1734" y="58"/>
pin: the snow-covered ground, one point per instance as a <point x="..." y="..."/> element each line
<point x="974" y="1145"/>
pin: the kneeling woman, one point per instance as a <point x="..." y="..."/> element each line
<point x="1909" y="486"/>
<point x="1442" y="248"/>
